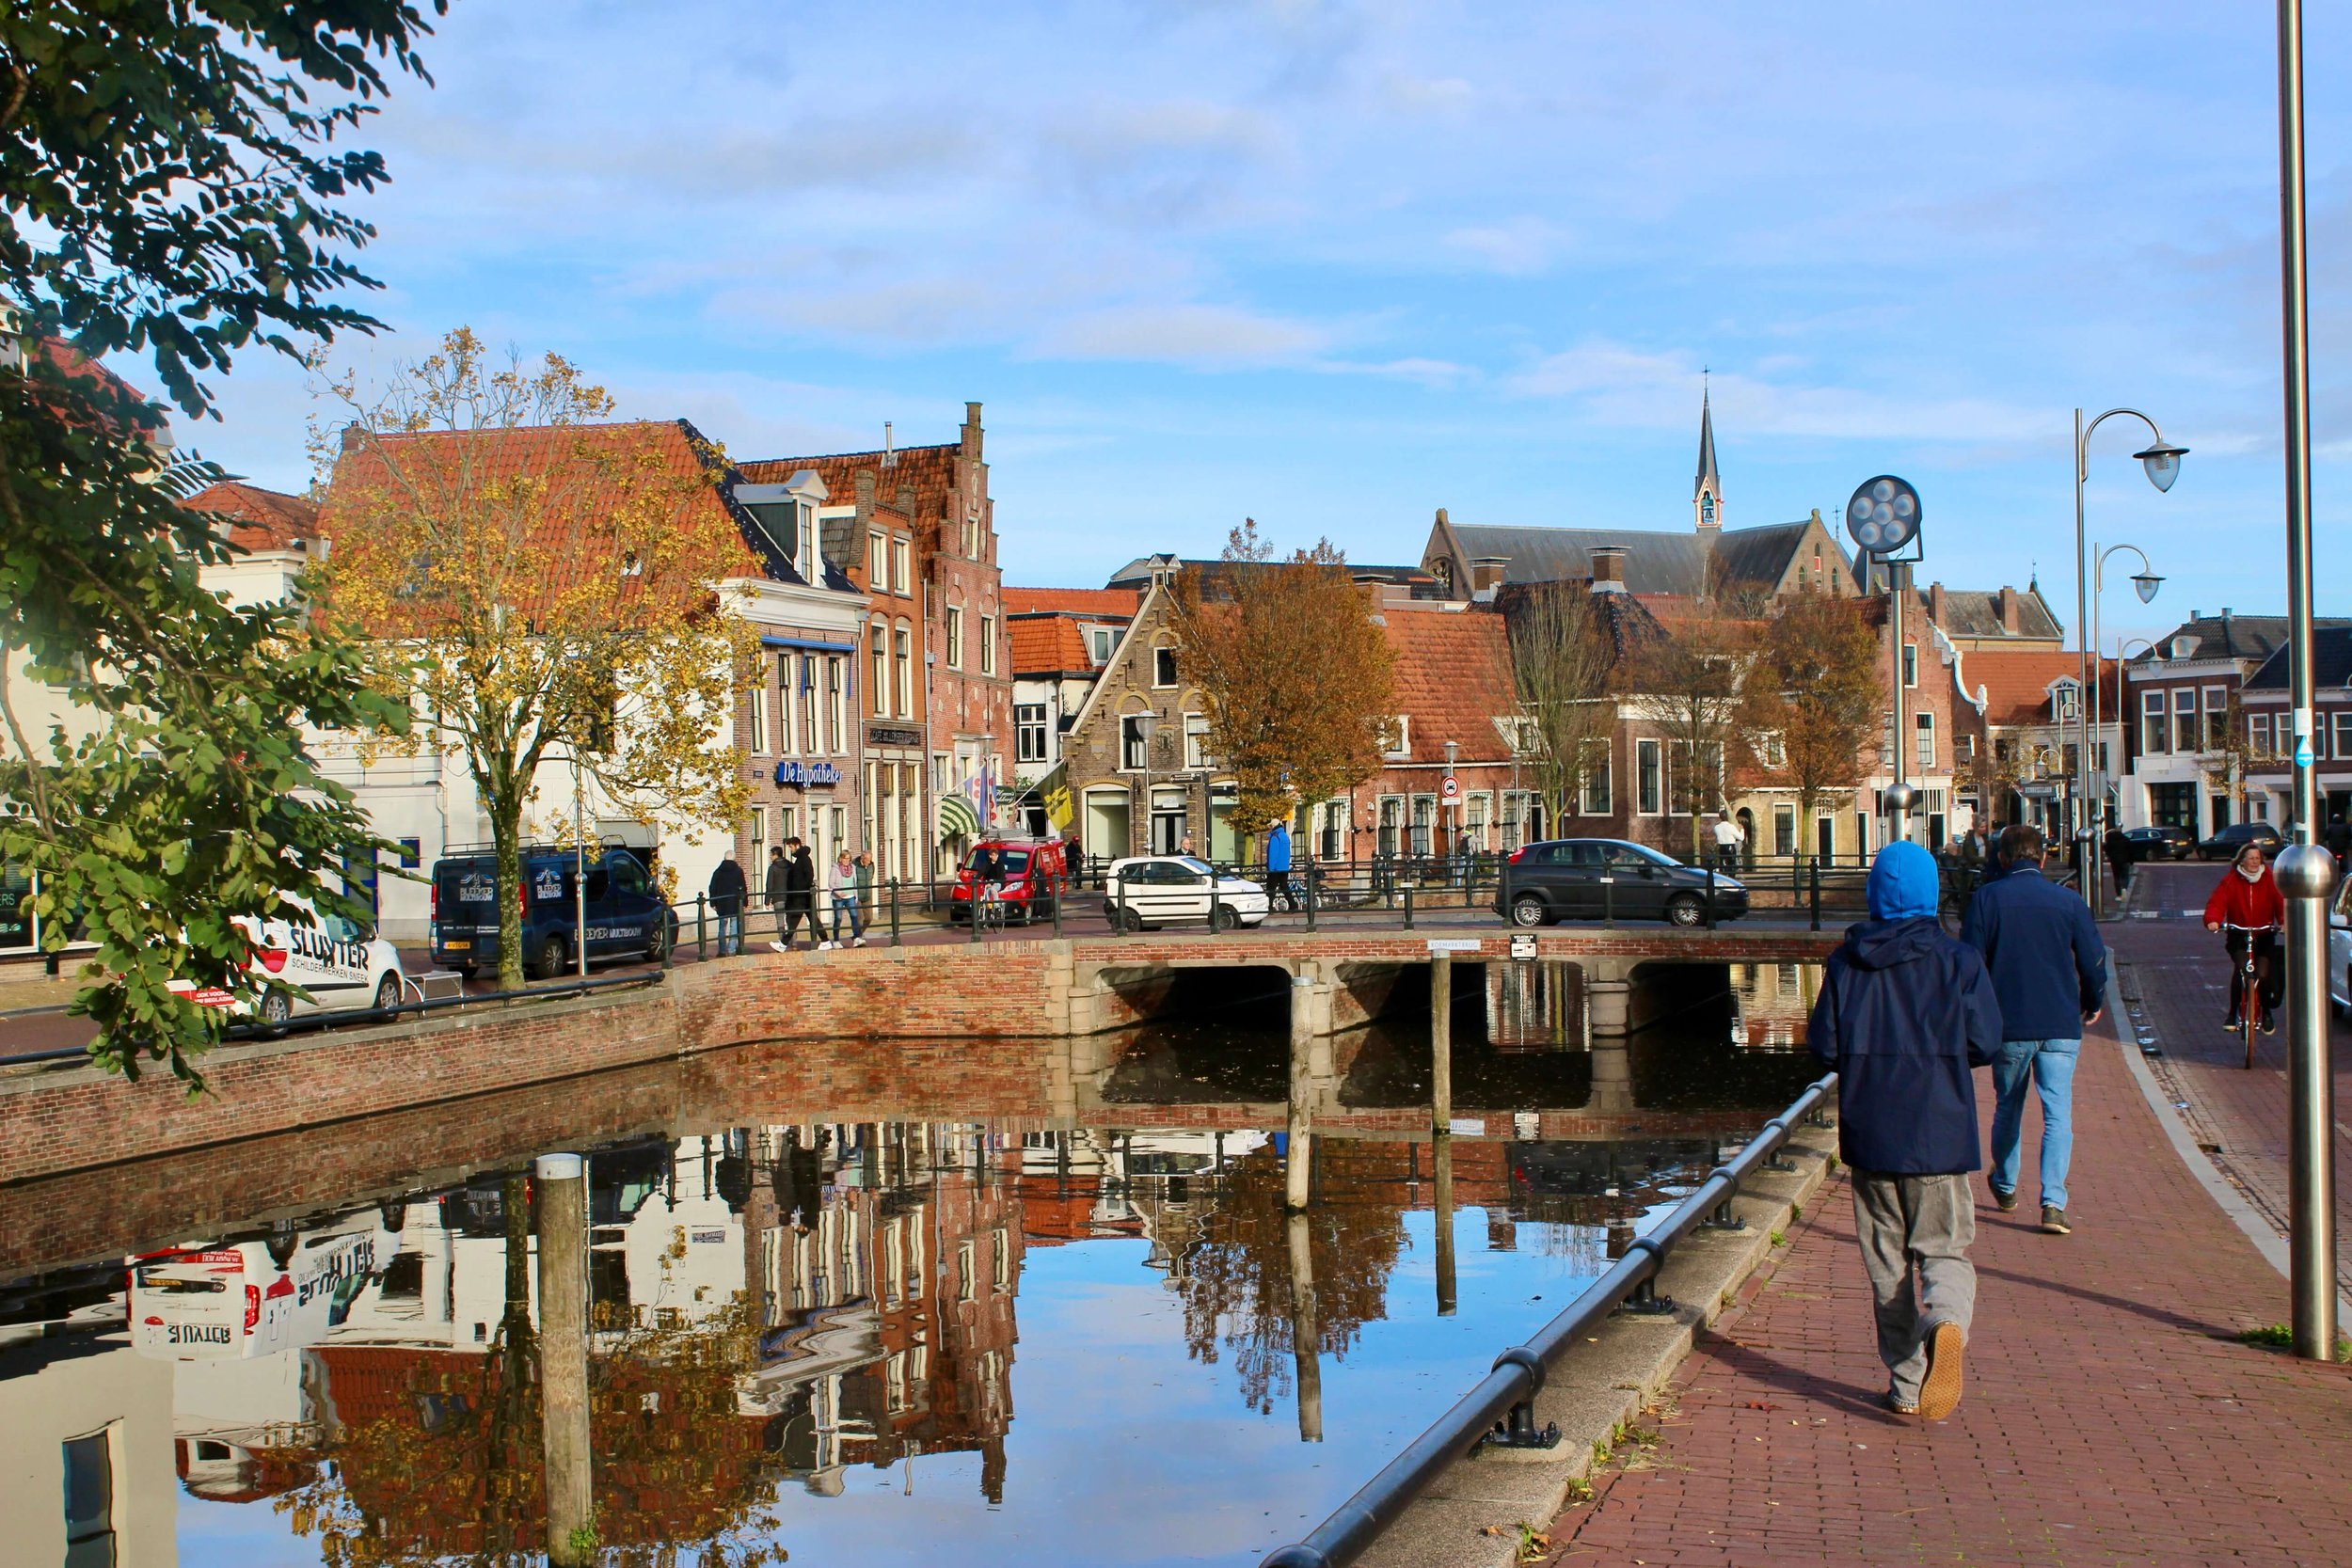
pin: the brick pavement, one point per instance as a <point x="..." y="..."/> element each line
<point x="2173" y="967"/>
<point x="2111" y="1415"/>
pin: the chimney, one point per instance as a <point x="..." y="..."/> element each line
<point x="906" y="501"/>
<point x="890" y="455"/>
<point x="1609" y="568"/>
<point x="1442" y="519"/>
<point x="353" y="435"/>
<point x="865" y="482"/>
<point x="1486" y="575"/>
<point x="972" y="431"/>
<point x="1935" y="603"/>
<point x="2006" y="603"/>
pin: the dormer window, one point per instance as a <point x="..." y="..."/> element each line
<point x="1397" y="745"/>
<point x="787" y="517"/>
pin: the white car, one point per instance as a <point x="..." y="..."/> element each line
<point x="1160" y="890"/>
<point x="2340" y="949"/>
<point x="340" y="964"/>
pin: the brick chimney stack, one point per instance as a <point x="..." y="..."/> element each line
<point x="2006" y="601"/>
<point x="1486" y="575"/>
<point x="1609" y="569"/>
<point x="1935" y="603"/>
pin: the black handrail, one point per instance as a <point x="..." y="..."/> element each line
<point x="1505" y="1397"/>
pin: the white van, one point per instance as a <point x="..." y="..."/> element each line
<point x="337" y="961"/>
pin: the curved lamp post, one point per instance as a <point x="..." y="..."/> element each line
<point x="2144" y="582"/>
<point x="2161" y="459"/>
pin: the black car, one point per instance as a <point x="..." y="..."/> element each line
<point x="1563" y="879"/>
<point x="2166" y="841"/>
<point x="2226" y="843"/>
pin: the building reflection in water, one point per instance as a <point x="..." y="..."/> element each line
<point x="1769" y="1004"/>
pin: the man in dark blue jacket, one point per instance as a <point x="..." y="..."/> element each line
<point x="2050" y="971"/>
<point x="1905" y="1013"/>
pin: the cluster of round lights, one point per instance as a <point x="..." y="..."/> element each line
<point x="1883" y="516"/>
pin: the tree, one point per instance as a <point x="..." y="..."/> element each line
<point x="539" y="586"/>
<point x="1300" y="683"/>
<point x="1814" y="694"/>
<point x="167" y="181"/>
<point x="1688" y="683"/>
<point x="1560" y="664"/>
<point x="2230" y="754"/>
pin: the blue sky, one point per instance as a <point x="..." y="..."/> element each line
<point x="1336" y="265"/>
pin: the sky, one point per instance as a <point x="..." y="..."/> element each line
<point x="1337" y="265"/>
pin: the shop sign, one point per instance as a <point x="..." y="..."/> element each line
<point x="803" y="775"/>
<point x="884" y="735"/>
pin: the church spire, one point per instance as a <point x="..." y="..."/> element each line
<point x="1707" y="491"/>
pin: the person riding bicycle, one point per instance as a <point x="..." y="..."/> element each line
<point x="2249" y="899"/>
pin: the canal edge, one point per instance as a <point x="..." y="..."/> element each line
<point x="1604" y="1385"/>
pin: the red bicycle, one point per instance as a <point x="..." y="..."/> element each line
<point x="2249" y="999"/>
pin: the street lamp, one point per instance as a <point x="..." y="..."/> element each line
<point x="1882" y="519"/>
<point x="2144" y="582"/>
<point x="2162" y="460"/>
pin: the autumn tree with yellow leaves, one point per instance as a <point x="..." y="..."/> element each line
<point x="539" y="584"/>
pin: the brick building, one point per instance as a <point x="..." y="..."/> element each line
<point x="915" y="529"/>
<point x="2265" y="776"/>
<point x="1060" y="640"/>
<point x="2022" y="746"/>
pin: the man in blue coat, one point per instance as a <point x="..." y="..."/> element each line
<point x="1905" y="1013"/>
<point x="2050" y="971"/>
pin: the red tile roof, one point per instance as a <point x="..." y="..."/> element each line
<point x="1103" y="603"/>
<point x="1046" y="645"/>
<point x="930" y="470"/>
<point x="1453" y="680"/>
<point x="2016" y="681"/>
<point x="258" y="519"/>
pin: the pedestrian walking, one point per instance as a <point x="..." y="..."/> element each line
<point x="2049" y="972"/>
<point x="772" y="887"/>
<point x="1905" y="1014"/>
<point x="800" y="885"/>
<point x="1728" y="837"/>
<point x="1277" y="866"/>
<point x="847" y="912"/>
<point x="2120" y="854"/>
<point x="726" y="904"/>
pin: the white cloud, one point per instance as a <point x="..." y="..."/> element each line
<point x="1206" y="335"/>
<point x="1520" y="246"/>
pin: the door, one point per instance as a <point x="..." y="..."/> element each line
<point x="1825" y="839"/>
<point x="1572" y="871"/>
<point x="625" y="913"/>
<point x="1641" y="887"/>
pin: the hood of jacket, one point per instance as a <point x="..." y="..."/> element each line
<point x="1902" y="882"/>
<point x="1885" y="943"/>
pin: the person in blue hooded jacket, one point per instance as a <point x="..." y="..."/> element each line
<point x="1906" y="1014"/>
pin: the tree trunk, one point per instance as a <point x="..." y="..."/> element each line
<point x="507" y="833"/>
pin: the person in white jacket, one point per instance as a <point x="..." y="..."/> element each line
<point x="849" y="915"/>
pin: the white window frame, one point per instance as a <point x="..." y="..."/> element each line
<point x="2216" y="705"/>
<point x="880" y="647"/>
<point x="955" y="637"/>
<point x="758" y="713"/>
<point x="902" y="667"/>
<point x="1164" y="651"/>
<point x="1030" y="723"/>
<point x="837" y="705"/>
<point x="1923" y="740"/>
<point x="2185" y="720"/>
<point x="1650" y="793"/>
<point x="901" y="568"/>
<point x="2258" y="733"/>
<point x="2155" y="729"/>
<point x="1197" y="743"/>
<point x="878" y="561"/>
<point x="988" y="644"/>
<point x="1139" y="748"/>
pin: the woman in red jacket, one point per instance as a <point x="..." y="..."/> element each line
<point x="2248" y="895"/>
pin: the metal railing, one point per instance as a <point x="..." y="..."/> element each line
<point x="1503" y="1406"/>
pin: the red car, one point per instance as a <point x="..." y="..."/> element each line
<point x="1035" y="872"/>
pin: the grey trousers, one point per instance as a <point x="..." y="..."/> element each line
<point x="1922" y="1223"/>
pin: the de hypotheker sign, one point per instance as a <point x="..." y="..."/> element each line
<point x="801" y="775"/>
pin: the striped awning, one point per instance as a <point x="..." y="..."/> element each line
<point x="958" y="817"/>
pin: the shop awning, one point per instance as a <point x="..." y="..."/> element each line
<point x="958" y="817"/>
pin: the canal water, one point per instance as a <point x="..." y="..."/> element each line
<point x="1078" y="1339"/>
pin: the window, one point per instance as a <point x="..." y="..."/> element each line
<point x="1911" y="664"/>
<point x="988" y="644"/>
<point x="809" y="708"/>
<point x="1400" y="738"/>
<point x="877" y="642"/>
<point x="837" y="702"/>
<point x="877" y="562"/>
<point x="1596" y="793"/>
<point x="2152" y="722"/>
<point x="1163" y="666"/>
<point x="1513" y="819"/>
<point x="1649" y="777"/>
<point x="1474" y="822"/>
<point x="2216" y="713"/>
<point x="1923" y="726"/>
<point x="1783" y="829"/>
<point x="1424" y="816"/>
<point x="954" y="639"/>
<point x="1098" y="640"/>
<point x="89" y="1502"/>
<point x="759" y="843"/>
<point x="1134" y="734"/>
<point x="2258" y="733"/>
<point x="901" y="574"/>
<point x="2344" y="735"/>
<point x="2185" y="718"/>
<point x="1197" y="740"/>
<point x="1334" y="829"/>
<point x="1029" y="732"/>
<point x="1391" y="811"/>
<point x="758" y="716"/>
<point x="1770" y="751"/>
<point x="903" y="658"/>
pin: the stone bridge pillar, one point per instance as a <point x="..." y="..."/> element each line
<point x="1609" y="998"/>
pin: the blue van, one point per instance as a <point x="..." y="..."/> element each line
<point x="626" y="916"/>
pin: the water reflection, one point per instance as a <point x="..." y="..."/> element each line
<point x="807" y="1336"/>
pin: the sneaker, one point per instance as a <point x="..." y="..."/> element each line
<point x="2232" y="1025"/>
<point x="2005" y="1200"/>
<point x="1939" y="1393"/>
<point x="778" y="947"/>
<point x="825" y="947"/>
<point x="2054" y="1221"/>
<point x="857" y="942"/>
<point x="2270" y="1023"/>
<point x="1894" y="1402"/>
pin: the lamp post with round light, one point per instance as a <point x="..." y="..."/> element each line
<point x="2162" y="460"/>
<point x="1882" y="519"/>
<point x="2144" y="582"/>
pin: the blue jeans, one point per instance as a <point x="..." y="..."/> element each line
<point x="2050" y="1065"/>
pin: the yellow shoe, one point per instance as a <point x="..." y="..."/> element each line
<point x="1939" y="1393"/>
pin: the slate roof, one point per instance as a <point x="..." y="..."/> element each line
<point x="1109" y="604"/>
<point x="2228" y="636"/>
<point x="1655" y="562"/>
<point x="1453" y="680"/>
<point x="2331" y="657"/>
<point x="1137" y="573"/>
<point x="2016" y="681"/>
<point x="1973" y="612"/>
<point x="258" y="519"/>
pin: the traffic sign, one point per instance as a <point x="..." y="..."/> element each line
<point x="1451" y="789"/>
